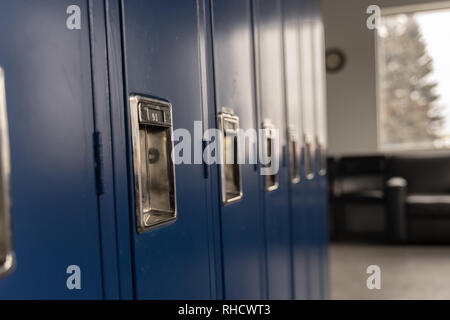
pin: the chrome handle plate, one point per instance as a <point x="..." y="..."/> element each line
<point x="321" y="157"/>
<point x="6" y="247"/>
<point x="308" y="154"/>
<point x="270" y="181"/>
<point x="154" y="170"/>
<point x="293" y="157"/>
<point x="230" y="168"/>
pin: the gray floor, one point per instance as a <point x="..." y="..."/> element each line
<point x="407" y="272"/>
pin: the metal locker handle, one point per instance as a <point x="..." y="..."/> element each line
<point x="6" y="248"/>
<point x="321" y="156"/>
<point x="154" y="170"/>
<point x="309" y="167"/>
<point x="230" y="168"/>
<point x="270" y="181"/>
<point x="293" y="159"/>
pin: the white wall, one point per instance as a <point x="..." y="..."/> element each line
<point x="351" y="96"/>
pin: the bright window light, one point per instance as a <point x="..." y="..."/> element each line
<point x="413" y="65"/>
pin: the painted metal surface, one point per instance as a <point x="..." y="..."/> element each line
<point x="50" y="108"/>
<point x="162" y="60"/>
<point x="310" y="182"/>
<point x="62" y="86"/>
<point x="297" y="187"/>
<point x="115" y="165"/>
<point x="321" y="138"/>
<point x="271" y="102"/>
<point x="242" y="221"/>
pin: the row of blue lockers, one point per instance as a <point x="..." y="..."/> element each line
<point x="94" y="98"/>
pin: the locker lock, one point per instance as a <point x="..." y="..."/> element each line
<point x="154" y="171"/>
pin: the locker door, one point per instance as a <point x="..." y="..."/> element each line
<point x="242" y="220"/>
<point x="311" y="190"/>
<point x="292" y="10"/>
<point x="321" y="141"/>
<point x="161" y="50"/>
<point x="48" y="91"/>
<point x="270" y="97"/>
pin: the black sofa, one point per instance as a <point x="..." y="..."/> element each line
<point x="397" y="199"/>
<point x="418" y="198"/>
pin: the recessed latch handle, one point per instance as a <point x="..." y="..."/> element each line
<point x="6" y="247"/>
<point x="230" y="158"/>
<point x="154" y="170"/>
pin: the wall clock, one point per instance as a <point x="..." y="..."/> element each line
<point x="334" y="60"/>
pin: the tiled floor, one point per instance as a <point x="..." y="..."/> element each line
<point x="407" y="272"/>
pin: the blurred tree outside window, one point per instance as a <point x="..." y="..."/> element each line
<point x="414" y="80"/>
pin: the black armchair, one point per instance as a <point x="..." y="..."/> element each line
<point x="357" y="197"/>
<point x="418" y="198"/>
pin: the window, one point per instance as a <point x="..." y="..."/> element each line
<point x="413" y="66"/>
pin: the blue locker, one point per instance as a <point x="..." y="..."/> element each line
<point x="163" y="60"/>
<point x="310" y="185"/>
<point x="298" y="179"/>
<point x="271" y="102"/>
<point x="105" y="30"/>
<point x="321" y="142"/>
<point x="49" y="96"/>
<point x="242" y="220"/>
<point x="82" y="105"/>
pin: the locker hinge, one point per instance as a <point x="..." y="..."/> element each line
<point x="98" y="157"/>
